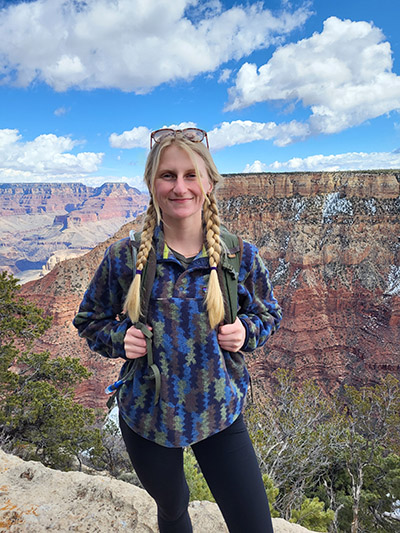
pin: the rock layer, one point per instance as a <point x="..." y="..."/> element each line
<point x="331" y="243"/>
<point x="40" y="220"/>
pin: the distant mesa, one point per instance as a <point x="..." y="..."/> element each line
<point x="43" y="221"/>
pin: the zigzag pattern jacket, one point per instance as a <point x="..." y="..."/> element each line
<point x="203" y="387"/>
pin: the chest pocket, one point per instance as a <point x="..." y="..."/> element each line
<point x="172" y="282"/>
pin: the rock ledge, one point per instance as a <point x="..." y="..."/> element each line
<point x="35" y="499"/>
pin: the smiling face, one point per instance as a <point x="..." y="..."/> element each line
<point x="176" y="188"/>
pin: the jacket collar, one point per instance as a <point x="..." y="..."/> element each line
<point x="162" y="250"/>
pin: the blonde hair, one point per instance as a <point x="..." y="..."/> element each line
<point x="214" y="299"/>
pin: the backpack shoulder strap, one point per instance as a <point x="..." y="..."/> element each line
<point x="148" y="274"/>
<point x="228" y="274"/>
<point x="146" y="285"/>
<point x="230" y="263"/>
<point x="134" y="237"/>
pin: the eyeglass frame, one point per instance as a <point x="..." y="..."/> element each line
<point x="174" y="132"/>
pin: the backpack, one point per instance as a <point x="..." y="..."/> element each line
<point x="228" y="274"/>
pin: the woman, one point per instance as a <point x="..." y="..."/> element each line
<point x="203" y="379"/>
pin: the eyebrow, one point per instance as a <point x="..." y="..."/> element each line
<point x="167" y="169"/>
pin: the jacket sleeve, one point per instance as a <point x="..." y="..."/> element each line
<point x="258" y="309"/>
<point x="99" y="318"/>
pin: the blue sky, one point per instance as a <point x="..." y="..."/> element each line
<point x="279" y="85"/>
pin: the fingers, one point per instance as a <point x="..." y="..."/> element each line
<point x="134" y="343"/>
<point x="232" y="336"/>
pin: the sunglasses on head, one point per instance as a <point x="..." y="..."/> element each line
<point x="194" y="135"/>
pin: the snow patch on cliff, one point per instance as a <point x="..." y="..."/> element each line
<point x="370" y="204"/>
<point x="293" y="282"/>
<point x="393" y="281"/>
<point x="281" y="272"/>
<point x="336" y="204"/>
<point x="299" y="205"/>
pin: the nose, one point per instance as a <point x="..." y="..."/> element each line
<point x="180" y="185"/>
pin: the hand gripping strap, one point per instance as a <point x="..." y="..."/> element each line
<point x="147" y="280"/>
<point x="154" y="372"/>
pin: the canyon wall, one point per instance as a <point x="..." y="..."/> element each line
<point x="331" y="242"/>
<point x="44" y="223"/>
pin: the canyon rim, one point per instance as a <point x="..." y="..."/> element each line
<point x="331" y="241"/>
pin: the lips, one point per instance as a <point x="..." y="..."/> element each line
<point x="180" y="199"/>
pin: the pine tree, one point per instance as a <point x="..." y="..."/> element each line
<point x="39" y="416"/>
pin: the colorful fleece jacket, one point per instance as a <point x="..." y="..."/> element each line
<point x="203" y="387"/>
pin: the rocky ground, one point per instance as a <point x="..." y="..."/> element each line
<point x="35" y="499"/>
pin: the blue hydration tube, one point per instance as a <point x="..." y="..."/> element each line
<point x="114" y="386"/>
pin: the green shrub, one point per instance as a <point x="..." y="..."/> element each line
<point x="312" y="515"/>
<point x="198" y="487"/>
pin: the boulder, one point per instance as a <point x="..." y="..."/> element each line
<point x="35" y="499"/>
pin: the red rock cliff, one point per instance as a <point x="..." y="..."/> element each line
<point x="331" y="243"/>
<point x="38" y="220"/>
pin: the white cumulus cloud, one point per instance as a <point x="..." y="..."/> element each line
<point x="46" y="157"/>
<point x="343" y="75"/>
<point x="245" y="131"/>
<point x="222" y="136"/>
<point x="331" y="163"/>
<point x="256" y="166"/>
<point x="139" y="136"/>
<point x="132" y="45"/>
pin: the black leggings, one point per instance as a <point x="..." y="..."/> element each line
<point x="230" y="467"/>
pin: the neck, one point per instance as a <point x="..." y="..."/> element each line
<point x="187" y="239"/>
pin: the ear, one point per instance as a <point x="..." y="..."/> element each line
<point x="210" y="187"/>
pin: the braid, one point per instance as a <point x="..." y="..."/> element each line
<point x="132" y="301"/>
<point x="214" y="299"/>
